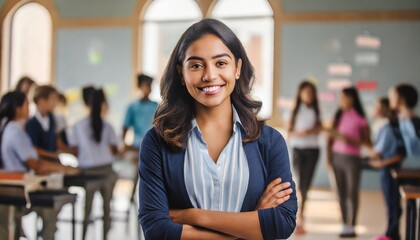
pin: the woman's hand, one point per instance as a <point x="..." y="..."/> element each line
<point x="71" y="171"/>
<point x="275" y="193"/>
<point x="376" y="163"/>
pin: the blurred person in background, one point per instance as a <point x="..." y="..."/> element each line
<point x="403" y="99"/>
<point x="304" y="130"/>
<point x="19" y="155"/>
<point x="140" y="113"/>
<point x="24" y="85"/>
<point x="387" y="153"/>
<point x="97" y="144"/>
<point x="349" y="132"/>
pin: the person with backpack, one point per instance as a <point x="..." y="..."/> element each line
<point x="403" y="99"/>
<point x="386" y="155"/>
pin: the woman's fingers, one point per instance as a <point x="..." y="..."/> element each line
<point x="272" y="184"/>
<point x="281" y="201"/>
<point x="281" y="197"/>
<point x="275" y="192"/>
<point x="276" y="189"/>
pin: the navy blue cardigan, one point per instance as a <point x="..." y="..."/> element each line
<point x="162" y="185"/>
<point x="46" y="140"/>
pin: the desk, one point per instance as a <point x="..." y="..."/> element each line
<point x="48" y="199"/>
<point x="407" y="176"/>
<point x="411" y="194"/>
<point x="91" y="183"/>
<point x="407" y="173"/>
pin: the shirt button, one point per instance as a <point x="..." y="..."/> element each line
<point x="216" y="183"/>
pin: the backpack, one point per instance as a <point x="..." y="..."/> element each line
<point x="416" y="123"/>
<point x="409" y="137"/>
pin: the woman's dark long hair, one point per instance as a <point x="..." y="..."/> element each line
<point x="357" y="105"/>
<point x="8" y="105"/>
<point x="97" y="99"/>
<point x="314" y="104"/>
<point x="173" y="116"/>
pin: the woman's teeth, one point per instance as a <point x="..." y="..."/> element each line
<point x="210" y="89"/>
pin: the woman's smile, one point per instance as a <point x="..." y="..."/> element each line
<point x="211" y="90"/>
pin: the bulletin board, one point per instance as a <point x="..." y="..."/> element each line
<point x="101" y="57"/>
<point x="373" y="56"/>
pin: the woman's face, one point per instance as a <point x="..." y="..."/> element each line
<point x="52" y="102"/>
<point x="346" y="102"/>
<point x="25" y="88"/>
<point x="393" y="98"/>
<point x="307" y="95"/>
<point x="22" y="112"/>
<point x="209" y="71"/>
<point x="377" y="110"/>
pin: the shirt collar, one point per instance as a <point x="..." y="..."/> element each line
<point x="237" y="124"/>
<point x="44" y="121"/>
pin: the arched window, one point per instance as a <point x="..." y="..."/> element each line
<point x="164" y="22"/>
<point x="252" y="21"/>
<point x="27" y="39"/>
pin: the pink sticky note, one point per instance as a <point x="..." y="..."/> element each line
<point x="327" y="96"/>
<point x="339" y="69"/>
<point x="338" y="83"/>
<point x="366" y="41"/>
<point x="367" y="85"/>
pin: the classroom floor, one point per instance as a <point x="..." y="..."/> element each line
<point x="322" y="221"/>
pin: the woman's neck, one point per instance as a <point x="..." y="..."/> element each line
<point x="308" y="105"/>
<point x="42" y="112"/>
<point x="404" y="112"/>
<point x="221" y="115"/>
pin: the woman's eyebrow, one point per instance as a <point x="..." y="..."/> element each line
<point x="222" y="55"/>
<point x="214" y="57"/>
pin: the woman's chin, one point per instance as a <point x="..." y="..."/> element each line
<point x="214" y="103"/>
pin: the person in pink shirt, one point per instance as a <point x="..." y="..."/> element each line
<point x="350" y="130"/>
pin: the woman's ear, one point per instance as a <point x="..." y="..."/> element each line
<point x="179" y="69"/>
<point x="238" y="69"/>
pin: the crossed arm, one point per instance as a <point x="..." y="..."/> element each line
<point x="227" y="225"/>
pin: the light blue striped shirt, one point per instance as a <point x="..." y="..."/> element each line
<point x="219" y="186"/>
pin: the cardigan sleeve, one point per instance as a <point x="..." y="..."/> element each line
<point x="153" y="201"/>
<point x="278" y="222"/>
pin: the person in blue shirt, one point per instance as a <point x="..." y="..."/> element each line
<point x="17" y="154"/>
<point x="97" y="144"/>
<point x="210" y="169"/>
<point x="386" y="155"/>
<point x="403" y="99"/>
<point x="139" y="115"/>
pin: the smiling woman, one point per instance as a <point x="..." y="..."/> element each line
<point x="209" y="168"/>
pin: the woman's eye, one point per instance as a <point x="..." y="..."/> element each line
<point x="221" y="64"/>
<point x="195" y="66"/>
